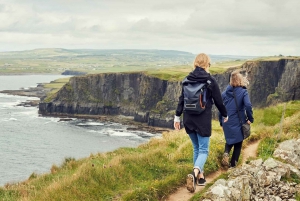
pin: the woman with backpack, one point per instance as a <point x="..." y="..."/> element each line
<point x="239" y="109"/>
<point x="197" y="124"/>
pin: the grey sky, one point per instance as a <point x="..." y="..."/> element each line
<point x="227" y="27"/>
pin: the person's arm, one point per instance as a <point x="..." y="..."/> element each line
<point x="217" y="97"/>
<point x="220" y="118"/>
<point x="179" y="111"/>
<point x="248" y="107"/>
<point x="180" y="104"/>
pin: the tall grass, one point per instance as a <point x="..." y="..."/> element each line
<point x="151" y="171"/>
<point x="283" y="123"/>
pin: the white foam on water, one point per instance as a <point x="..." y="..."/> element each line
<point x="9" y="104"/>
<point x="144" y="133"/>
<point x="123" y="134"/>
<point x="12" y="119"/>
<point x="52" y="120"/>
<point x="90" y="124"/>
<point x="32" y="98"/>
<point x="5" y="119"/>
<point x="92" y="131"/>
<point x="28" y="113"/>
<point x="114" y="124"/>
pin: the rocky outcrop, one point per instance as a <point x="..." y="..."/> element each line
<point x="261" y="180"/>
<point x="39" y="91"/>
<point x="152" y="100"/>
<point x="146" y="98"/>
<point x="289" y="151"/>
<point x="258" y="180"/>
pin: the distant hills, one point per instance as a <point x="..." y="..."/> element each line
<point x="57" y="60"/>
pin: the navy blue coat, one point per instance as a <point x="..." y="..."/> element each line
<point x="233" y="128"/>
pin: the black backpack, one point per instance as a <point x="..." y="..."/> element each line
<point x="194" y="96"/>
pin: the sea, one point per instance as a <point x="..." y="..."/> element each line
<point x="30" y="143"/>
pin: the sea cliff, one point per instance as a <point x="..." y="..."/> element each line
<point x="153" y="101"/>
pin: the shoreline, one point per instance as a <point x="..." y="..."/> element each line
<point x="125" y="120"/>
<point x="39" y="92"/>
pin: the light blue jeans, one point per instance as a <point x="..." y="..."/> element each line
<point x="200" y="146"/>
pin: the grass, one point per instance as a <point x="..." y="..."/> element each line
<point x="178" y="73"/>
<point x="57" y="84"/>
<point x="151" y="171"/>
<point x="275" y="58"/>
<point x="54" y="87"/>
<point x="283" y="124"/>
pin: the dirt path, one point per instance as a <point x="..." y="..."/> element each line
<point x="182" y="194"/>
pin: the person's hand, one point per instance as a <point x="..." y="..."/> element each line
<point x="177" y="122"/>
<point x="225" y="119"/>
<point x="248" y="122"/>
<point x="177" y="125"/>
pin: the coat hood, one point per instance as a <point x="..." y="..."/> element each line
<point x="229" y="90"/>
<point x="198" y="74"/>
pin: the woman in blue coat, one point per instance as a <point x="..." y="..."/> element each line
<point x="233" y="127"/>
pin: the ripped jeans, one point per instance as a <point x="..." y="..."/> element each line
<point x="200" y="147"/>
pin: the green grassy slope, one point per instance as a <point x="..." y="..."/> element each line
<point x="152" y="170"/>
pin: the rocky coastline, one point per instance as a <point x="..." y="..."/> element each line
<point x="40" y="92"/>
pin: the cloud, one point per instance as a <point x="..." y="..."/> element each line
<point x="264" y="27"/>
<point x="247" y="18"/>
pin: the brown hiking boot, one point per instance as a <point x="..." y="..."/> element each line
<point x="225" y="159"/>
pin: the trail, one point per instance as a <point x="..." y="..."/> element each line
<point x="182" y="194"/>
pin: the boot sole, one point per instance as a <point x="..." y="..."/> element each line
<point x="225" y="161"/>
<point x="190" y="183"/>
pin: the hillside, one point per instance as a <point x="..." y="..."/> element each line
<point x="153" y="170"/>
<point x="57" y="61"/>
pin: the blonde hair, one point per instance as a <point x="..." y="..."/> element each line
<point x="202" y="61"/>
<point x="238" y="80"/>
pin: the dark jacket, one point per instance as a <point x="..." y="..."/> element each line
<point x="233" y="128"/>
<point x="202" y="123"/>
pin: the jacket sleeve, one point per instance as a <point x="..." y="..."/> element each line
<point x="248" y="107"/>
<point x="220" y="118"/>
<point x="219" y="115"/>
<point x="217" y="97"/>
<point x="180" y="104"/>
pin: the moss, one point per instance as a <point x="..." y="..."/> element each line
<point x="108" y="104"/>
<point x="293" y="177"/>
<point x="92" y="99"/>
<point x="272" y="98"/>
<point x="116" y="91"/>
<point x="49" y="98"/>
<point x="68" y="86"/>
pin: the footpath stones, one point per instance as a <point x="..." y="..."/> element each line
<point x="260" y="180"/>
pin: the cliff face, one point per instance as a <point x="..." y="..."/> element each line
<point x="130" y="94"/>
<point x="152" y="100"/>
<point x="273" y="81"/>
